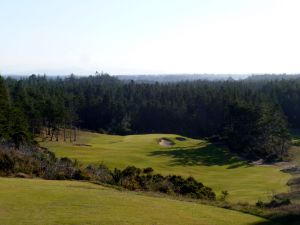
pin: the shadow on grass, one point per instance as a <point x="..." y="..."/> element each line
<point x="282" y="220"/>
<point x="266" y="223"/>
<point x="208" y="155"/>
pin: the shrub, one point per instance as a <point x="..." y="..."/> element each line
<point x="6" y="163"/>
<point x="42" y="163"/>
<point x="224" y="195"/>
<point x="116" y="176"/>
<point x="206" y="193"/>
<point x="260" y="204"/>
<point x="147" y="170"/>
<point x="131" y="171"/>
<point x="130" y="183"/>
<point x="80" y="175"/>
<point x="277" y="203"/>
<point x="100" y="173"/>
<point x="165" y="187"/>
<point x="59" y="176"/>
<point x="274" y="203"/>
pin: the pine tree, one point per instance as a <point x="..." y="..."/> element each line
<point x="18" y="127"/>
<point x="4" y="109"/>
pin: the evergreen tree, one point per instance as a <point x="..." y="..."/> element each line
<point x="253" y="112"/>
<point x="4" y="109"/>
<point x="257" y="131"/>
<point x="18" y="127"/>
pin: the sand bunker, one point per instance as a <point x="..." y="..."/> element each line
<point x="165" y="142"/>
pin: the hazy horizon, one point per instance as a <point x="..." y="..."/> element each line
<point x="150" y="37"/>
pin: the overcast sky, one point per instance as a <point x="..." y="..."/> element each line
<point x="149" y="36"/>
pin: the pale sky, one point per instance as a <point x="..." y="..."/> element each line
<point x="149" y="36"/>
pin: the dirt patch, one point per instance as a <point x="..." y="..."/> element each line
<point x="293" y="183"/>
<point x="291" y="169"/>
<point x="23" y="175"/>
<point x="165" y="142"/>
<point x="258" y="162"/>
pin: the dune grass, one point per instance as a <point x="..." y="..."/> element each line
<point x="35" y="202"/>
<point x="214" y="166"/>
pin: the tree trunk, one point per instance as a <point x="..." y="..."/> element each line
<point x="75" y="136"/>
<point x="64" y="132"/>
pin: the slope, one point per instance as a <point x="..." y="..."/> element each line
<point x="34" y="202"/>
<point x="214" y="166"/>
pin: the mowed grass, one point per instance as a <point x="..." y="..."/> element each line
<point x="214" y="166"/>
<point x="36" y="202"/>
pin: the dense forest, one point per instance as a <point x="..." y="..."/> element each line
<point x="251" y="116"/>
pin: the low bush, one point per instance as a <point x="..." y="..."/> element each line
<point x="133" y="178"/>
<point x="38" y="162"/>
<point x="274" y="203"/>
<point x="224" y="195"/>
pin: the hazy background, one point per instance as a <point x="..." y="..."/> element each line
<point x="149" y="37"/>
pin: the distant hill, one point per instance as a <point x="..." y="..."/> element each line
<point x="267" y="77"/>
<point x="171" y="78"/>
<point x="162" y="78"/>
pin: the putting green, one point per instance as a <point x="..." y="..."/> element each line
<point x="214" y="166"/>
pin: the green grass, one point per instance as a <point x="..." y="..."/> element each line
<point x="215" y="167"/>
<point x="295" y="149"/>
<point x="295" y="159"/>
<point x="35" y="202"/>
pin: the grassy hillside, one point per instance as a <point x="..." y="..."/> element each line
<point x="44" y="202"/>
<point x="215" y="167"/>
<point x="295" y="160"/>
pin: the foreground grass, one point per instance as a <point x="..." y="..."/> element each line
<point x="25" y="201"/>
<point x="215" y="167"/>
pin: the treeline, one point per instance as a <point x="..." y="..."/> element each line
<point x="14" y="124"/>
<point x="250" y="116"/>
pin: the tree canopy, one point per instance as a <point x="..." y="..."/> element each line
<point x="251" y="116"/>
